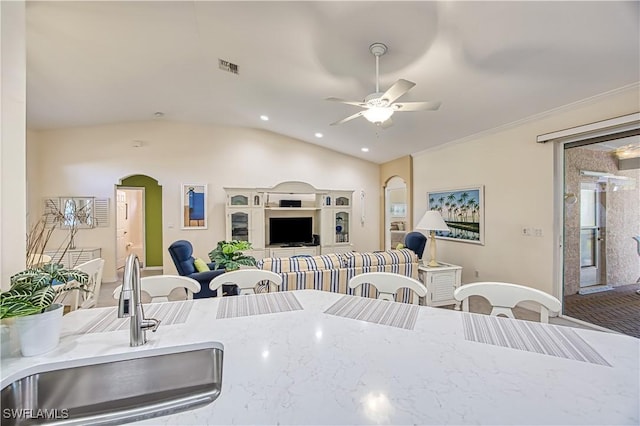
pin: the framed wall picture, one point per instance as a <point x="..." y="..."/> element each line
<point x="463" y="211"/>
<point x="194" y="206"/>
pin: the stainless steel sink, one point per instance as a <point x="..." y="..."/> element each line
<point x="116" y="392"/>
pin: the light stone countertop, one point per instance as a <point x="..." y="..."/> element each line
<point x="308" y="367"/>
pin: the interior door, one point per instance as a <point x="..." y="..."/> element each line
<point x="121" y="229"/>
<point x="591" y="234"/>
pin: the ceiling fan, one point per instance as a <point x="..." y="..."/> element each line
<point x="379" y="107"/>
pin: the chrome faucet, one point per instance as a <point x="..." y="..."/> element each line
<point x="130" y="304"/>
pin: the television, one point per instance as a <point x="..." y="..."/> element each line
<point x="290" y="230"/>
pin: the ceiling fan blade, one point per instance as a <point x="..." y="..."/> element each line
<point x="360" y="104"/>
<point x="344" y="120"/>
<point x="416" y="106"/>
<point x="398" y="89"/>
<point x="387" y="124"/>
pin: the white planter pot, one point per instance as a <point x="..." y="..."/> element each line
<point x="5" y="340"/>
<point x="40" y="333"/>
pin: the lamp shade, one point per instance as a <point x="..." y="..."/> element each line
<point x="432" y="221"/>
<point x="378" y="114"/>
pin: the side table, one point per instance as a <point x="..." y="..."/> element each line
<point x="441" y="281"/>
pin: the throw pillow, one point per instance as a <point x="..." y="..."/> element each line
<point x="200" y="265"/>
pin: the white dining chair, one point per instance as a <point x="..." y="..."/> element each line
<point x="246" y="280"/>
<point x="70" y="295"/>
<point x="505" y="296"/>
<point x="388" y="284"/>
<point x="160" y="286"/>
<point x="93" y="268"/>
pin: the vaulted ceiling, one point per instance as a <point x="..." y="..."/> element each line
<point x="490" y="63"/>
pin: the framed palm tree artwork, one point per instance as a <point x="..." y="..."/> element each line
<point x="462" y="210"/>
<point x="194" y="206"/>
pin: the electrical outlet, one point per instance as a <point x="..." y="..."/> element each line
<point x="477" y="274"/>
<point x="537" y="232"/>
<point x="526" y="232"/>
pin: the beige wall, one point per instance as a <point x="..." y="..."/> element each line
<point x="403" y="168"/>
<point x="13" y="226"/>
<point x="622" y="205"/>
<point x="91" y="160"/>
<point x="518" y="177"/>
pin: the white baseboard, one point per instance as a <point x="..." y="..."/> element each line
<point x="152" y="268"/>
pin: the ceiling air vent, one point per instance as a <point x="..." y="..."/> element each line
<point x="227" y="66"/>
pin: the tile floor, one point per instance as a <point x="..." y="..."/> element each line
<point x="617" y="309"/>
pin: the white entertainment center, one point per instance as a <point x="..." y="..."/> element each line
<point x="321" y="218"/>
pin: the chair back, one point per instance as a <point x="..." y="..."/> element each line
<point x="246" y="280"/>
<point x="181" y="253"/>
<point x="387" y="284"/>
<point x="93" y="268"/>
<point x="160" y="286"/>
<point x="505" y="296"/>
<point x="416" y="241"/>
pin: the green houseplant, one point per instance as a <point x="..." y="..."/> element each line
<point x="31" y="301"/>
<point x="229" y="255"/>
<point x="36" y="288"/>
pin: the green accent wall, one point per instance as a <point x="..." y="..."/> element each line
<point x="152" y="216"/>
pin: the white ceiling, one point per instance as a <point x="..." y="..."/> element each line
<point x="490" y="63"/>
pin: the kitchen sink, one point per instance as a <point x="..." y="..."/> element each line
<point x="137" y="386"/>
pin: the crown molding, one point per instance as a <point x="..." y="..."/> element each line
<point x="592" y="99"/>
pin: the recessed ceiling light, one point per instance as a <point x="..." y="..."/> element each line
<point x="364" y="149"/>
<point x="264" y="118"/>
<point x="158" y="114"/>
<point x="319" y="135"/>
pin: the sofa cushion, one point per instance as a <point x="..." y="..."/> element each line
<point x="201" y="265"/>
<point x="390" y="257"/>
<point x="296" y="264"/>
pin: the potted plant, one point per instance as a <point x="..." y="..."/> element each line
<point x="30" y="304"/>
<point x="31" y="301"/>
<point x="229" y="255"/>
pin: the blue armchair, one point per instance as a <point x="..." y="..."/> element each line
<point x="416" y="241"/>
<point x="181" y="252"/>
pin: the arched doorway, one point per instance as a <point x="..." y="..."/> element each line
<point x="139" y="220"/>
<point x="396" y="213"/>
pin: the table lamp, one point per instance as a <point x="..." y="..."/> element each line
<point x="432" y="221"/>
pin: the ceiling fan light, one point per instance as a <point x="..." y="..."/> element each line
<point x="377" y="115"/>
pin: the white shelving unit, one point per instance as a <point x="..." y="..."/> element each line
<point x="248" y="211"/>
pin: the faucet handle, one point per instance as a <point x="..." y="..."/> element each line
<point x="150" y="324"/>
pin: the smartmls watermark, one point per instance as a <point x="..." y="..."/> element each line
<point x="41" y="413"/>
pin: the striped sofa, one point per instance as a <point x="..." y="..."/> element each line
<point x="332" y="272"/>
